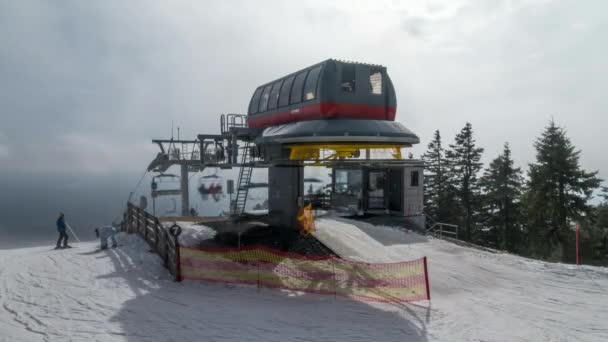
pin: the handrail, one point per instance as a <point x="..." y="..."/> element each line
<point x="162" y="240"/>
<point x="439" y="228"/>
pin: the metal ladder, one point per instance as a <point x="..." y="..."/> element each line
<point x="243" y="183"/>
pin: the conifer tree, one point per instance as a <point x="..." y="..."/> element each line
<point x="502" y="185"/>
<point x="464" y="158"/>
<point x="604" y="194"/>
<point x="437" y="202"/>
<point x="559" y="192"/>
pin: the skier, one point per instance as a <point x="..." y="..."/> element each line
<point x="104" y="233"/>
<point x="61" y="227"/>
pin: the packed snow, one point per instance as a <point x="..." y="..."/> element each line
<point x="479" y="295"/>
<point x="192" y="233"/>
<point x="125" y="294"/>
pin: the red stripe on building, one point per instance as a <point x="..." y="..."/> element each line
<point x="324" y="110"/>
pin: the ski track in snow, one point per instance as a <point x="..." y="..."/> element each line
<point x="124" y="294"/>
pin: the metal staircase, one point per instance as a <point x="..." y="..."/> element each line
<point x="243" y="183"/>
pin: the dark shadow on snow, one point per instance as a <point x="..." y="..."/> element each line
<point x="198" y="310"/>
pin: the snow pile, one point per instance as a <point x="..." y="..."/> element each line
<point x="125" y="294"/>
<point x="347" y="239"/>
<point x="193" y="233"/>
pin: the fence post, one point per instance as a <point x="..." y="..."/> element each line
<point x="136" y="218"/>
<point x="178" y="268"/>
<point x="131" y="223"/>
<point x="145" y="219"/>
<point x="165" y="247"/>
<point x="175" y="231"/>
<point x="138" y="221"/>
<point x="576" y="244"/>
<point x="333" y="267"/>
<point x="156" y="235"/>
<point x="128" y="218"/>
<point x="142" y="224"/>
<point x="426" y="279"/>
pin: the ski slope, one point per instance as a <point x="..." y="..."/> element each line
<point x="125" y="295"/>
<point x="483" y="296"/>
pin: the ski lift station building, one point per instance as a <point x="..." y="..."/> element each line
<point x="336" y="114"/>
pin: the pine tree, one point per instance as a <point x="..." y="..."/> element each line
<point x="464" y="158"/>
<point x="604" y="194"/>
<point x="502" y="185"/>
<point x="559" y="192"/>
<point x="437" y="201"/>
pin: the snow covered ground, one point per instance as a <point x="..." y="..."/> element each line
<point x="483" y="296"/>
<point x="124" y="294"/>
<point x="193" y="233"/>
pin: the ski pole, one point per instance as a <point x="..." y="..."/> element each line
<point x="71" y="231"/>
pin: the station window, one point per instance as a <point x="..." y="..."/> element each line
<point x="375" y="81"/>
<point x="274" y="95"/>
<point x="296" y="91"/>
<point x="415" y="176"/>
<point x="284" y="93"/>
<point x="255" y="101"/>
<point x="348" y="78"/>
<point x="348" y="182"/>
<point x="264" y="98"/>
<point x="310" y="88"/>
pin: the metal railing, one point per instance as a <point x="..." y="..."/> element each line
<point x="441" y="229"/>
<point x="228" y="121"/>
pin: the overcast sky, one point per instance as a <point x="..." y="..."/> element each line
<point x="85" y="85"/>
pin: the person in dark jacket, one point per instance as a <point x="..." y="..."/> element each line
<point x="63" y="235"/>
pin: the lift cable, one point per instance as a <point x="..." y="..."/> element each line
<point x="117" y="217"/>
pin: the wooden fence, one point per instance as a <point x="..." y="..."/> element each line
<point x="162" y="240"/>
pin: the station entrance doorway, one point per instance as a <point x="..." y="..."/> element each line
<point x="384" y="190"/>
<point x="378" y="189"/>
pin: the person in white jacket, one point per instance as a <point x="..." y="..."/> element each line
<point x="104" y="233"/>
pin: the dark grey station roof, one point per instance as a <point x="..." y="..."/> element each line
<point x="339" y="131"/>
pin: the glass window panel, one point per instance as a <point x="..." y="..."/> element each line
<point x="255" y="101"/>
<point x="310" y="88"/>
<point x="264" y="98"/>
<point x="415" y="176"/>
<point x="274" y="95"/>
<point x="375" y="191"/>
<point x="348" y="78"/>
<point x="348" y="182"/>
<point x="285" y="90"/>
<point x="375" y="82"/>
<point x="296" y="91"/>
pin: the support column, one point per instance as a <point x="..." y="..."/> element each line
<point x="185" y="191"/>
<point x="285" y="186"/>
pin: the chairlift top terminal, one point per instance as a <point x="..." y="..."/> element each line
<point x="345" y="108"/>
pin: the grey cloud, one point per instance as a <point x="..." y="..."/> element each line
<point x="87" y="82"/>
<point x="414" y="26"/>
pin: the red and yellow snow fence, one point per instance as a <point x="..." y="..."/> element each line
<point x="264" y="267"/>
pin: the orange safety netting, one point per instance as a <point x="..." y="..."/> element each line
<point x="264" y="267"/>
